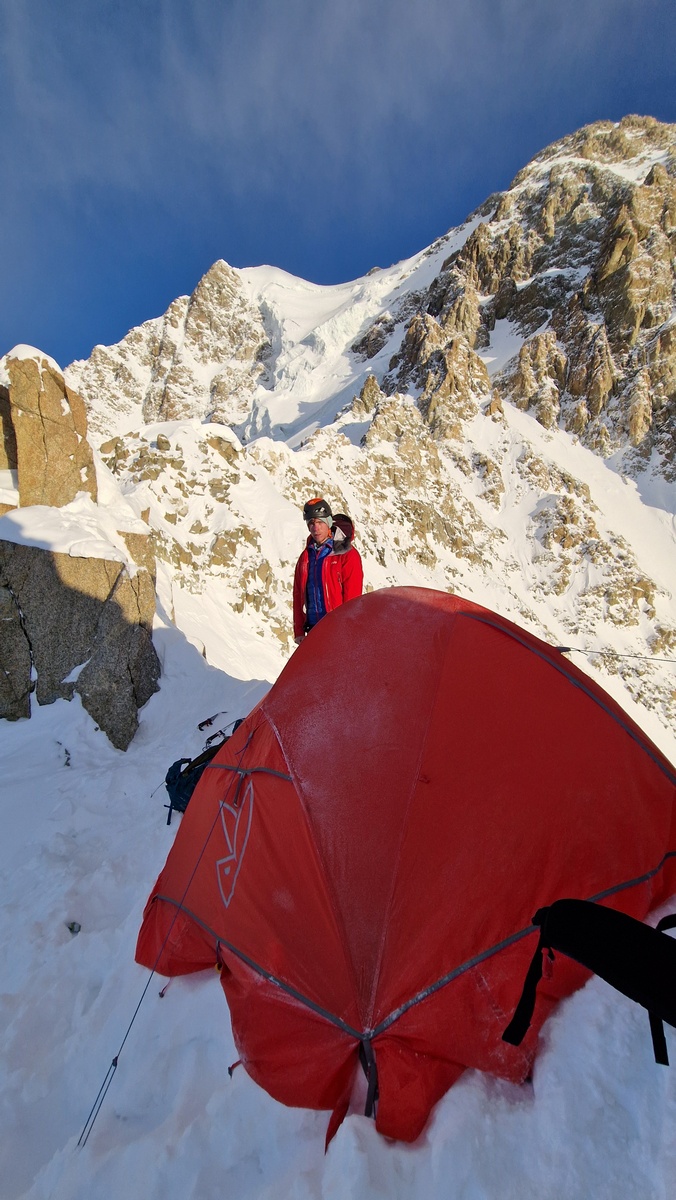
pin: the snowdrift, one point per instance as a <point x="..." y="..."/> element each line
<point x="364" y="857"/>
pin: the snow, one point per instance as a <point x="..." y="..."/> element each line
<point x="650" y="527"/>
<point x="81" y="529"/>
<point x="22" y="352"/>
<point x="634" y="170"/>
<point x="9" y="487"/>
<point x="312" y="329"/>
<point x="505" y="343"/>
<point x="223" y="638"/>
<point x="84" y="836"/>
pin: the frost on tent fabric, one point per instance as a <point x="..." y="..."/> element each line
<point x="390" y="821"/>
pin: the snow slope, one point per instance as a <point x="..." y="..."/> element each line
<point x="83" y="839"/>
<point x="84" y="836"/>
<point x="312" y="329"/>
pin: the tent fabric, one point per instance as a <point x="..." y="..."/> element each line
<point x="364" y="856"/>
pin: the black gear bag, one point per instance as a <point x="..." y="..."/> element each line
<point x="634" y="958"/>
<point x="184" y="774"/>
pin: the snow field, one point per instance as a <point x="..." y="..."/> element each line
<point x="84" y="840"/>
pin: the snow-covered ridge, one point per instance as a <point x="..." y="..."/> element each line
<point x="306" y="330"/>
<point x="519" y="362"/>
<point x="271" y="354"/>
<point x="22" y="353"/>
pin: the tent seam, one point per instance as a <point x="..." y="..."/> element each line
<point x="383" y="1026"/>
<point x="323" y="872"/>
<point x="404" y="827"/>
<point x="514" y="937"/>
<point x="250" y="962"/>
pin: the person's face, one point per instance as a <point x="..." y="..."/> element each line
<point x="319" y="531"/>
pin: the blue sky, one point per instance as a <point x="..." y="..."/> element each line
<point x="143" y="139"/>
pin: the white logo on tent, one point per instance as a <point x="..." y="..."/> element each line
<point x="236" y="823"/>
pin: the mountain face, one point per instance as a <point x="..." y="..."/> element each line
<point x="498" y="414"/>
<point x="578" y="258"/>
<point x="201" y="359"/>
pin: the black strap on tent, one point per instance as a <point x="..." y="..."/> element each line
<point x="367" y="1059"/>
<point x="656" y="1022"/>
<point x="631" y="956"/>
<point x="523" y="1014"/>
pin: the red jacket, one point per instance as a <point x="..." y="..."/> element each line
<point x="342" y="579"/>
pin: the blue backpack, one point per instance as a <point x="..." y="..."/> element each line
<point x="184" y="774"/>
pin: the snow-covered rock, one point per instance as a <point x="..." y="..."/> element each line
<point x="201" y="359"/>
<point x="43" y="431"/>
<point x="77" y="581"/>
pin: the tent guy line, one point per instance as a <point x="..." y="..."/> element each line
<point x="633" y="733"/>
<point x="615" y="653"/>
<point x="108" y="1078"/>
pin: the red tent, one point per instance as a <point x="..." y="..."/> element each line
<point x="364" y="856"/>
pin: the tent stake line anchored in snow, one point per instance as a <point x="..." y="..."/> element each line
<point x="368" y="889"/>
<point x="108" y="1078"/>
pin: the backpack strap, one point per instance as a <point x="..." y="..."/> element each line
<point x="523" y="1013"/>
<point x="656" y="1023"/>
<point x="630" y="956"/>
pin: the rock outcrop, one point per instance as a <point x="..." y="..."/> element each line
<point x="68" y="624"/>
<point x="44" y="432"/>
<point x="76" y="625"/>
<point x="15" y="659"/>
<point x="578" y="257"/>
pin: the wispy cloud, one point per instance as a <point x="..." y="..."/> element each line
<point x="142" y="96"/>
<point x="217" y="124"/>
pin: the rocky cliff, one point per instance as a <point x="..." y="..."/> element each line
<point x="77" y="620"/>
<point x="76" y="626"/>
<point x="202" y="358"/>
<point x="577" y="260"/>
<point x="44" y="433"/>
<point x="498" y="414"/>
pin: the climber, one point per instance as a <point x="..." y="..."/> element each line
<point x="329" y="570"/>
